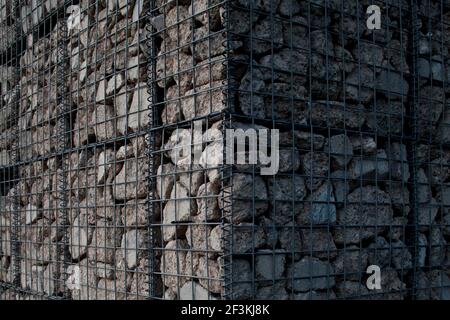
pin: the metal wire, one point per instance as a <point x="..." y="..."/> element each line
<point x="115" y="140"/>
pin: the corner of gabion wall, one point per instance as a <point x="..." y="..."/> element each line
<point x="363" y="157"/>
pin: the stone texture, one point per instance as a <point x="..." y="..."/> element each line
<point x="368" y="212"/>
<point x="310" y="274"/>
<point x="133" y="246"/>
<point x="130" y="182"/>
<point x="319" y="207"/>
<point x="270" y="265"/>
<point x="80" y="236"/>
<point x="246" y="187"/>
<point x="341" y="149"/>
<point x="180" y="208"/>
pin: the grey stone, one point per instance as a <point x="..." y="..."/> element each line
<point x="352" y="262"/>
<point x="318" y="242"/>
<point x="359" y="84"/>
<point x="310" y="274"/>
<point x="440" y="283"/>
<point x="133" y="246"/>
<point x="399" y="166"/>
<point x="319" y="207"/>
<point x="427" y="213"/>
<point x="198" y="238"/>
<point x="341" y="186"/>
<point x="316" y="167"/>
<point x="337" y="114"/>
<point x="340" y="149"/>
<point x="302" y="140"/>
<point x="270" y="265"/>
<point x="241" y="288"/>
<point x="386" y="116"/>
<point x="276" y="291"/>
<point x="267" y="34"/>
<point x="436" y="247"/>
<point x="203" y="100"/>
<point x="245" y="187"/>
<point x="179" y="208"/>
<point x="105" y="239"/>
<point x="194" y="291"/>
<point x="422" y="249"/>
<point x="206" y="45"/>
<point x="192" y="177"/>
<point x="251" y="103"/>
<point x="374" y="167"/>
<point x="392" y="83"/>
<point x="80" y="236"/>
<point x="401" y="257"/>
<point x="289" y="160"/>
<point x="32" y="214"/>
<point x="313" y="295"/>
<point x="246" y="237"/>
<point x="208" y="203"/>
<point x="379" y="252"/>
<point x="369" y="53"/>
<point x="179" y="147"/>
<point x="165" y="180"/>
<point x="130" y="182"/>
<point x="209" y="273"/>
<point x="352" y="290"/>
<point x="366" y="208"/>
<point x="134" y="214"/>
<point x="287" y="61"/>
<point x="400" y="197"/>
<point x="174" y="262"/>
<point x="138" y="114"/>
<point x="423" y="187"/>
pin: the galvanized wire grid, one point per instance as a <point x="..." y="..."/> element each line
<point x="74" y="218"/>
<point x="103" y="196"/>
<point x="432" y="150"/>
<point x="339" y="94"/>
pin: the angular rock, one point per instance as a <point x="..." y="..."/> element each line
<point x="80" y="236"/>
<point x="134" y="214"/>
<point x="340" y="148"/>
<point x="245" y="188"/>
<point x="318" y="242"/>
<point x="130" y="182"/>
<point x="180" y="208"/>
<point x="194" y="291"/>
<point x="174" y="264"/>
<point x="270" y="265"/>
<point x="368" y="212"/>
<point x="310" y="274"/>
<point x="241" y="287"/>
<point x="138" y="114"/>
<point x="207" y="203"/>
<point x="352" y="262"/>
<point x="315" y="166"/>
<point x="133" y="247"/>
<point x="376" y="167"/>
<point x="319" y="207"/>
<point x="165" y="180"/>
<point x="105" y="239"/>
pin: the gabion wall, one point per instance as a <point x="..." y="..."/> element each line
<point x="103" y="112"/>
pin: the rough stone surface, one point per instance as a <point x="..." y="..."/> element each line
<point x="367" y="208"/>
<point x="310" y="274"/>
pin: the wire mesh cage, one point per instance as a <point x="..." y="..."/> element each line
<point x="224" y="149"/>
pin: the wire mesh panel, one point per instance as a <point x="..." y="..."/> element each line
<point x="190" y="96"/>
<point x="432" y="150"/>
<point x="339" y="95"/>
<point x="79" y="180"/>
<point x="224" y="149"/>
